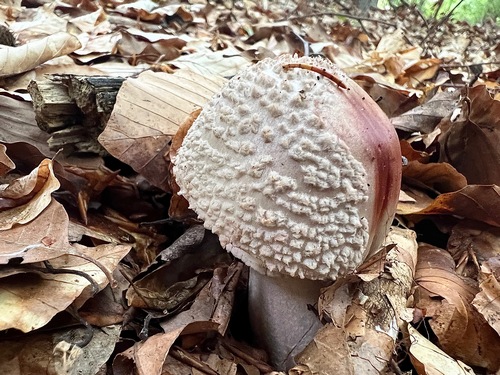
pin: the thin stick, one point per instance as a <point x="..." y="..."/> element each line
<point x="320" y="71"/>
<point x="340" y="15"/>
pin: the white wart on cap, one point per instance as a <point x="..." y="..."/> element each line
<point x="295" y="174"/>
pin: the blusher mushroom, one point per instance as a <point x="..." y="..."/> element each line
<point x="297" y="170"/>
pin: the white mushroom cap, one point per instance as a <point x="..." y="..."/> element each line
<point x="293" y="173"/>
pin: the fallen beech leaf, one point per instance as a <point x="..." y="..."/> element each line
<point x="427" y="116"/>
<point x="441" y="177"/>
<point x="369" y="307"/>
<point x="487" y="301"/>
<point x="428" y="359"/>
<point x="446" y="298"/>
<point x="29" y="195"/>
<point x="436" y="273"/>
<point x="328" y="353"/>
<point x="52" y="353"/>
<point x="418" y="201"/>
<point x="482" y="238"/>
<point x="28" y="299"/>
<point x="177" y="277"/>
<point x="396" y="98"/>
<point x="43" y="238"/>
<point x="14" y="60"/>
<point x="478" y="202"/>
<point x="18" y="124"/>
<point x="166" y="47"/>
<point x="147" y="114"/>
<point x="472" y="145"/>
<point x="201" y="317"/>
<point x="206" y="62"/>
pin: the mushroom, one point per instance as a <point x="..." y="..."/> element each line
<point x="297" y="170"/>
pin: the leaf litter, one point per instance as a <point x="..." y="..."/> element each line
<point x="104" y="268"/>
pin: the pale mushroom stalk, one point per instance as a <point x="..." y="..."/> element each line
<point x="297" y="170"/>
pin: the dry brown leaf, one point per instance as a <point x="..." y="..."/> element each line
<point x="328" y="353"/>
<point x="18" y="124"/>
<point x="440" y="177"/>
<point x="148" y="356"/>
<point x="208" y="63"/>
<point x="28" y="297"/>
<point x="472" y="145"/>
<point x="418" y="201"/>
<point x="427" y="116"/>
<point x="487" y="301"/>
<point x="147" y="114"/>
<point x="474" y="238"/>
<point x="446" y="298"/>
<point x="423" y="70"/>
<point x="428" y="359"/>
<point x="52" y="354"/>
<point x="393" y="99"/>
<point x="477" y="202"/>
<point x="167" y="48"/>
<point x="43" y="238"/>
<point x="26" y="197"/>
<point x="436" y="273"/>
<point x="209" y="312"/>
<point x="369" y="307"/>
<point x="15" y="60"/>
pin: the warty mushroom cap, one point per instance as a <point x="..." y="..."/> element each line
<point x="295" y="174"/>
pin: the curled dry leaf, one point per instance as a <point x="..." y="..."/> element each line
<point x="43" y="238"/>
<point x="14" y="60"/>
<point x="369" y="309"/>
<point x="28" y="297"/>
<point x="477" y="202"/>
<point x="420" y="173"/>
<point x="472" y="238"/>
<point x="440" y="177"/>
<point x="487" y="301"/>
<point x="181" y="275"/>
<point x="26" y="197"/>
<point x="6" y="164"/>
<point x="429" y="359"/>
<point x="446" y="298"/>
<point x="427" y="116"/>
<point x="472" y="145"/>
<point x="147" y="114"/>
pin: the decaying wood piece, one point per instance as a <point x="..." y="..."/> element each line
<point x="74" y="109"/>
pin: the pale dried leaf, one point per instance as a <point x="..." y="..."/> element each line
<point x="28" y="297"/>
<point x="328" y="353"/>
<point x="43" y="238"/>
<point x="428" y="359"/>
<point x="37" y="186"/>
<point x="225" y="63"/>
<point x="49" y="354"/>
<point x="487" y="301"/>
<point x="147" y="114"/>
<point x="15" y="60"/>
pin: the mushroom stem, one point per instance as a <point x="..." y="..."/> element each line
<point x="281" y="317"/>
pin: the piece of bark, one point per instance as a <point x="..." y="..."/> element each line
<point x="74" y="109"/>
